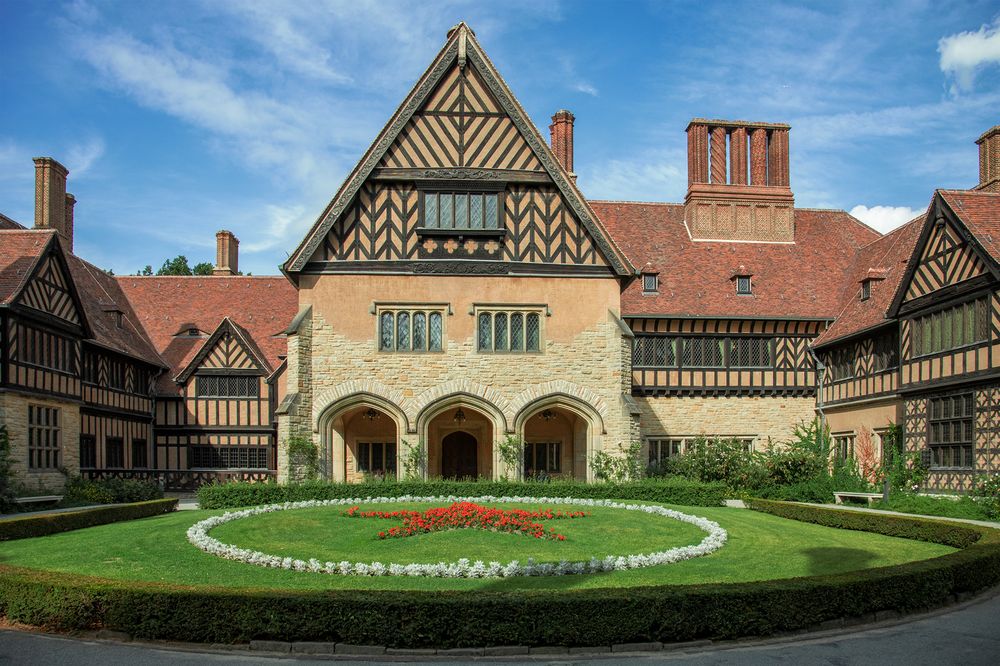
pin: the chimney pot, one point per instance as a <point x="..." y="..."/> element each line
<point x="227" y="253"/>
<point x="50" y="196"/>
<point x="561" y="139"/>
<point x="989" y="160"/>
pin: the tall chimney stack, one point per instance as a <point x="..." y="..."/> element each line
<point x="746" y="197"/>
<point x="227" y="253"/>
<point x="989" y="160"/>
<point x="68" y="221"/>
<point x="51" y="199"/>
<point x="561" y="139"/>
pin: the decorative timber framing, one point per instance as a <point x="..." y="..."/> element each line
<point x="460" y="48"/>
<point x="232" y="349"/>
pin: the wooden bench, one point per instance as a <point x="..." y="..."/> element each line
<point x="870" y="497"/>
<point x="39" y="499"/>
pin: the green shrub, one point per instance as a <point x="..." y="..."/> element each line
<point x="52" y="523"/>
<point x="572" y="617"/>
<point x="110" y="491"/>
<point x="819" y="489"/>
<point x="961" y="507"/>
<point x="955" y="535"/>
<point x="303" y="456"/>
<point x="726" y="461"/>
<point x="987" y="495"/>
<point x="668" y="491"/>
<point x="618" y="467"/>
<point x="7" y="493"/>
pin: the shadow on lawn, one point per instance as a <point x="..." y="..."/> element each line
<point x="834" y="560"/>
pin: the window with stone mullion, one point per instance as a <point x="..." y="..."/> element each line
<point x="508" y="332"/>
<point x="410" y="330"/>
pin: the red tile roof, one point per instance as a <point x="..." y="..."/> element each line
<point x="98" y="291"/>
<point x="7" y="223"/>
<point x="19" y="250"/>
<point x="980" y="211"/>
<point x="806" y="279"/>
<point x="885" y="257"/>
<point x="263" y="306"/>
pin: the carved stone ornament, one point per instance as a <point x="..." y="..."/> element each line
<point x="463" y="267"/>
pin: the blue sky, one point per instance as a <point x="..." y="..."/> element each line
<point x="180" y="118"/>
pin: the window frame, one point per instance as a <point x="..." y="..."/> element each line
<point x="464" y="188"/>
<point x="108" y="442"/>
<point x="844" y="444"/>
<point x="368" y="447"/>
<point x="738" y="279"/>
<point x="204" y="380"/>
<point x="551" y="450"/>
<point x="509" y="311"/>
<point x="140" y="444"/>
<point x="225" y="454"/>
<point x="866" y="289"/>
<point x="45" y="446"/>
<point x="922" y="327"/>
<point x="655" y="278"/>
<point x="428" y="310"/>
<point x="88" y="451"/>
<point x="968" y="424"/>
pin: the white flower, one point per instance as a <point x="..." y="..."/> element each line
<point x="198" y="536"/>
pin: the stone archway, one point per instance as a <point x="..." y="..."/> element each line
<point x="361" y="435"/>
<point x="461" y="413"/>
<point x="560" y="434"/>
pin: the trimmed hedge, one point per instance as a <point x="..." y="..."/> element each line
<point x="956" y="535"/>
<point x="539" y="617"/>
<point x="52" y="523"/>
<point x="668" y="491"/>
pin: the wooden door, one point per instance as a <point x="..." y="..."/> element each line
<point x="459" y="457"/>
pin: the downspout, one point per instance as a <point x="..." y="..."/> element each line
<point x="820" y="374"/>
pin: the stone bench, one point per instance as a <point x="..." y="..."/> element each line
<point x="838" y="497"/>
<point x="39" y="499"/>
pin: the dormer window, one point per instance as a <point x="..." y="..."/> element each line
<point x="866" y="289"/>
<point x="650" y="283"/>
<point x="465" y="209"/>
<point x="193" y="333"/>
<point x="743" y="285"/>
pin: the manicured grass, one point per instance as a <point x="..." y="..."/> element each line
<point x="760" y="547"/>
<point x="963" y="507"/>
<point x="327" y="535"/>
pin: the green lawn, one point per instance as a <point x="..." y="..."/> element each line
<point x="962" y="507"/>
<point x="327" y="535"/>
<point x="760" y="547"/>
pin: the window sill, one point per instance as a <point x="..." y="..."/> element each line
<point x="461" y="233"/>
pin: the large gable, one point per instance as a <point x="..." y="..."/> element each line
<point x="49" y="291"/>
<point x="460" y="130"/>
<point x="949" y="254"/>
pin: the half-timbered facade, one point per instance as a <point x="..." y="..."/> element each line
<point x="459" y="291"/>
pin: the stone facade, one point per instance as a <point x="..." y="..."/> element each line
<point x="765" y="418"/>
<point x="334" y="363"/>
<point x="14" y="413"/>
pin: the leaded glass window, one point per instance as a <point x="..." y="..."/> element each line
<point x="505" y="331"/>
<point x="653" y="352"/>
<point x="750" y="353"/>
<point x="950" y="430"/>
<point x="957" y="326"/>
<point x="461" y="210"/>
<point x="702" y="352"/>
<point x="410" y="330"/>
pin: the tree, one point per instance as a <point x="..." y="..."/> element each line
<point x="176" y="266"/>
<point x="147" y="271"/>
<point x="204" y="268"/>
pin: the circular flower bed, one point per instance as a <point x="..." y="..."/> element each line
<point x="463" y="568"/>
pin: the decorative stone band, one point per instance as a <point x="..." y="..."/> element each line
<point x="463" y="568"/>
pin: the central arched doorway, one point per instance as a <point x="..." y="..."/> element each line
<point x="459" y="456"/>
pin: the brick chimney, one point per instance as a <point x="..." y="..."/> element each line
<point x="68" y="220"/>
<point x="738" y="182"/>
<point x="989" y="160"/>
<point x="53" y="207"/>
<point x="561" y="139"/>
<point x="227" y="253"/>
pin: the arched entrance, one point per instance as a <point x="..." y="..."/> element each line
<point x="362" y="440"/>
<point x="559" y="434"/>
<point x="459" y="459"/>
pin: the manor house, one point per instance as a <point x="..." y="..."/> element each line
<point x="460" y="290"/>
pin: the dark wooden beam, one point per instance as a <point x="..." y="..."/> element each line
<point x="461" y="174"/>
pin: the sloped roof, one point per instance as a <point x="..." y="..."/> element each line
<point x="806" y="279"/>
<point x="99" y="293"/>
<point x="19" y="251"/>
<point x="980" y="212"/>
<point x="888" y="256"/>
<point x="261" y="306"/>
<point x="7" y="223"/>
<point x="460" y="45"/>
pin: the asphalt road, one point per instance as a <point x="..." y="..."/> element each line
<point x="968" y="635"/>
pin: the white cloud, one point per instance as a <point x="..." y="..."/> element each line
<point x="82" y="156"/>
<point x="963" y="54"/>
<point x="586" y="88"/>
<point x="650" y="177"/>
<point x="884" y="218"/>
